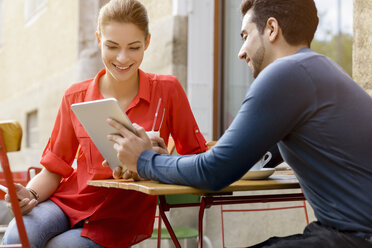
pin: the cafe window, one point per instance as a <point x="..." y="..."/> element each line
<point x="33" y="8"/>
<point x="32" y="129"/>
<point x="334" y="36"/>
<point x="236" y="75"/>
<point x="333" y="39"/>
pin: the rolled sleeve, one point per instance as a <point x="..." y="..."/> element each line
<point x="55" y="164"/>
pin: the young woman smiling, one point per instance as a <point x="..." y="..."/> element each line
<point x="59" y="209"/>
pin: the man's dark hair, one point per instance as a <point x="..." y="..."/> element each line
<point x="297" y="18"/>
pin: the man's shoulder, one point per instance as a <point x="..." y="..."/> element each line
<point x="302" y="58"/>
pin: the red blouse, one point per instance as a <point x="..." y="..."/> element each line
<point x="115" y="217"/>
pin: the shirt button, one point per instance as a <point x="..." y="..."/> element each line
<point x="196" y="131"/>
<point x="86" y="222"/>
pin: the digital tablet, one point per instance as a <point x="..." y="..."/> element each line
<point x="93" y="115"/>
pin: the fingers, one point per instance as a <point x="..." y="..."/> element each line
<point x="25" y="204"/>
<point x="105" y="164"/>
<point x="160" y="142"/>
<point x="18" y="186"/>
<point x="117" y="173"/>
<point x="140" y="131"/>
<point x="122" y="129"/>
<point x="160" y="150"/>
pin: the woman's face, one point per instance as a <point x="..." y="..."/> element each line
<point x="122" y="48"/>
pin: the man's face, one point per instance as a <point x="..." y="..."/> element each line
<point x="253" y="48"/>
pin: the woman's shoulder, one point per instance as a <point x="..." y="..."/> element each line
<point x="162" y="78"/>
<point x="78" y="87"/>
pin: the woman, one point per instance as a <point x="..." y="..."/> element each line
<point x="60" y="209"/>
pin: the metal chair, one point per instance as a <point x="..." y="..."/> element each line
<point x="10" y="141"/>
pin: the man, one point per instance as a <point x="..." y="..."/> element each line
<point x="320" y="118"/>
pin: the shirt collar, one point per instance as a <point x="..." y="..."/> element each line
<point x="144" y="86"/>
<point x="93" y="92"/>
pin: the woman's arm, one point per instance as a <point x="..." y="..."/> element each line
<point x="45" y="184"/>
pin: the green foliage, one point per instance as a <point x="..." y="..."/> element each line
<point x="329" y="48"/>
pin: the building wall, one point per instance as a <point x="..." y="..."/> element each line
<point x="37" y="61"/>
<point x="362" y="56"/>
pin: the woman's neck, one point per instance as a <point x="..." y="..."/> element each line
<point x="123" y="91"/>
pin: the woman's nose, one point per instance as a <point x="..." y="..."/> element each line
<point x="122" y="56"/>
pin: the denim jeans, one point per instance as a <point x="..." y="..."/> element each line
<point x="47" y="226"/>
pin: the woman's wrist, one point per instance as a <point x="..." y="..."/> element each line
<point x="34" y="194"/>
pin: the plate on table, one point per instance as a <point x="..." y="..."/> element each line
<point x="260" y="174"/>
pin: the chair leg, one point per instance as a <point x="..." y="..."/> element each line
<point x="13" y="194"/>
<point x="306" y="215"/>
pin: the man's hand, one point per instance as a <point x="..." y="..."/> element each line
<point x="26" y="199"/>
<point x="128" y="145"/>
<point x="160" y="146"/>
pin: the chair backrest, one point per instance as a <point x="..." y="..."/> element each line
<point x="12" y="135"/>
<point x="10" y="140"/>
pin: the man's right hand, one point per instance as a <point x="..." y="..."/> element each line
<point x="26" y="200"/>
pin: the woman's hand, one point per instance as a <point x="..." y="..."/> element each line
<point x="26" y="200"/>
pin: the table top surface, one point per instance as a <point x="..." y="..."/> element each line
<point x="283" y="179"/>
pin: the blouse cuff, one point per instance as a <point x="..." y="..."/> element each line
<point x="55" y="164"/>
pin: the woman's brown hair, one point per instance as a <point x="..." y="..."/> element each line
<point x="124" y="11"/>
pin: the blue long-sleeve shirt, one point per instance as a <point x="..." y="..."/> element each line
<point x="322" y="122"/>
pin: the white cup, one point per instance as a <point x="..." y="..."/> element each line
<point x="152" y="134"/>
<point x="262" y="162"/>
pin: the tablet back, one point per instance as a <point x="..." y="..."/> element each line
<point x="93" y="115"/>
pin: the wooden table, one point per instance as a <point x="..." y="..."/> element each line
<point x="283" y="179"/>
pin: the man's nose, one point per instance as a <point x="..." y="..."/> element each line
<point x="242" y="54"/>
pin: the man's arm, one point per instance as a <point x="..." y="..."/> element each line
<point x="278" y="101"/>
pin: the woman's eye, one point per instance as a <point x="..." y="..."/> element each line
<point x="134" y="48"/>
<point x="110" y="47"/>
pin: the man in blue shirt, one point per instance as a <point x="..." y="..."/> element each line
<point x="302" y="101"/>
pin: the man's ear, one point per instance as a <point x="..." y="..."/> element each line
<point x="98" y="39"/>
<point x="147" y="42"/>
<point x="272" y="29"/>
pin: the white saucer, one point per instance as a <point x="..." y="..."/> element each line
<point x="261" y="174"/>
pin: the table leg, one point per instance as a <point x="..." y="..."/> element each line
<point x="162" y="207"/>
<point x="159" y="230"/>
<point x="201" y="215"/>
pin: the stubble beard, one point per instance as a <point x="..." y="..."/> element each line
<point x="257" y="60"/>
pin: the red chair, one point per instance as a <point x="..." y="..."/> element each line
<point x="10" y="141"/>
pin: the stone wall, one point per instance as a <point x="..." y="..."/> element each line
<point x="362" y="55"/>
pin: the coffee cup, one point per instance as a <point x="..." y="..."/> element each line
<point x="153" y="134"/>
<point x="262" y="162"/>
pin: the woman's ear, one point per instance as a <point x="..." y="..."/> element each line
<point x="98" y="39"/>
<point x="272" y="29"/>
<point x="147" y="41"/>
